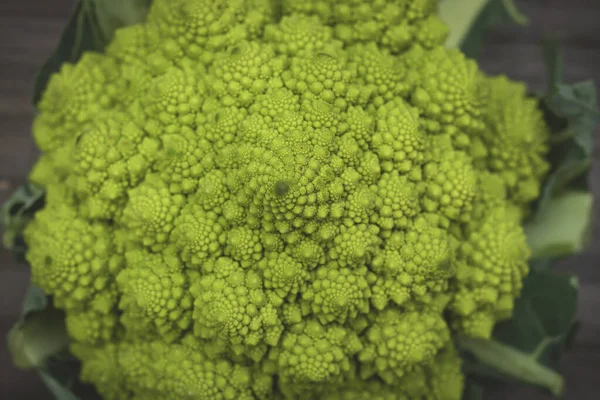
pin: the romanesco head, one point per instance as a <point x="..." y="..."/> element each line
<point x="247" y="201"/>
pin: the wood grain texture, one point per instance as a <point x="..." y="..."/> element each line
<point x="29" y="29"/>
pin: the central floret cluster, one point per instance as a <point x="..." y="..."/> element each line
<point x="246" y="202"/>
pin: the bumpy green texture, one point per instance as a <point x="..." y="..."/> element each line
<point x="303" y="202"/>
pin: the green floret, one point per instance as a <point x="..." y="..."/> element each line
<point x="413" y="265"/>
<point x="212" y="191"/>
<point x="101" y="366"/>
<point x="131" y="45"/>
<point x="349" y="150"/>
<point x="283" y="276"/>
<point x="110" y="157"/>
<point x="359" y="206"/>
<point x="204" y="28"/>
<point x="289" y="121"/>
<point x="285" y="187"/>
<point x="151" y="211"/>
<point x="313" y="354"/>
<point x="198" y="234"/>
<point x="397" y="202"/>
<point x="339" y="294"/>
<point x="175" y="98"/>
<point x="74" y="96"/>
<point x="320" y="76"/>
<point x="155" y="369"/>
<point x="355" y="245"/>
<point x="243" y="245"/>
<point x="300" y="35"/>
<point x="446" y="375"/>
<point x="143" y="56"/>
<point x="492" y="195"/>
<point x="274" y="103"/>
<point x="70" y="257"/>
<point x="379" y="72"/>
<point x="97" y="323"/>
<point x="220" y="128"/>
<point x="255" y="130"/>
<point x="90" y="328"/>
<point x="397" y="343"/>
<point x="248" y="70"/>
<point x="451" y="181"/>
<point x="360" y="390"/>
<point x="390" y="23"/>
<point x="319" y="114"/>
<point x="309" y="252"/>
<point x="517" y="139"/>
<point x="490" y="269"/>
<point x="156" y="292"/>
<point x="399" y="141"/>
<point x="446" y="91"/>
<point x="360" y="126"/>
<point x="369" y="168"/>
<point x="231" y="306"/>
<point x="440" y="379"/>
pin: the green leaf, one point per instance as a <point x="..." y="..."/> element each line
<point x="527" y="347"/>
<point x="90" y="28"/>
<point x="35" y="300"/>
<point x="561" y="222"/>
<point x="469" y="20"/>
<point x="574" y="115"/>
<point x="460" y="17"/>
<point x="576" y="105"/>
<point x="16" y="212"/>
<point x="544" y="316"/>
<point x="39" y="334"/>
<point x="563" y="227"/>
<point x="572" y="112"/>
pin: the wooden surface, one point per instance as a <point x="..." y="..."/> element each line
<point x="30" y="28"/>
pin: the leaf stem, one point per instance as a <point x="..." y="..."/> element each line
<point x="39" y="336"/>
<point x="513" y="363"/>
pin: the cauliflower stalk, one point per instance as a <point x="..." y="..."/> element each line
<point x="305" y="201"/>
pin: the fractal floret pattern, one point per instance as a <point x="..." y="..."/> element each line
<point x="303" y="202"/>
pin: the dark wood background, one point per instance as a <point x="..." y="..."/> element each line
<point x="29" y="29"/>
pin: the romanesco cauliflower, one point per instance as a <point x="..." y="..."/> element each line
<point x="307" y="201"/>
